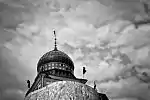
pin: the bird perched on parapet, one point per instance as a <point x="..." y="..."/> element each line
<point x="95" y="86"/>
<point x="28" y="82"/>
<point x="84" y="71"/>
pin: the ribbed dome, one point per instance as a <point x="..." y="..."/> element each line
<point x="55" y="56"/>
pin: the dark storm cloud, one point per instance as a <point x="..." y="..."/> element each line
<point x="8" y="80"/>
<point x="78" y="20"/>
<point x="11" y="15"/>
<point x="127" y="9"/>
<point x="5" y="35"/>
<point x="7" y="16"/>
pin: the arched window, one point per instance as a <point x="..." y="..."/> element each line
<point x="46" y="67"/>
<point x="53" y="72"/>
<point x="49" y="67"/>
<point x="52" y="64"/>
<point x="50" y="72"/>
<point x="43" y="69"/>
<point x="69" y="75"/>
<point x="64" y="73"/>
<point x="58" y="74"/>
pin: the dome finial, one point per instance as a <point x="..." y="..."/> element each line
<point x="55" y="48"/>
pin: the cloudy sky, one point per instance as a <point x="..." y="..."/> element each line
<point x="98" y="34"/>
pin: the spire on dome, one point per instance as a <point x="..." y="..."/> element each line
<point x="55" y="48"/>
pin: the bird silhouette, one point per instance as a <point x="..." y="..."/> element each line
<point x="142" y="22"/>
<point x="146" y="6"/>
<point x="145" y="20"/>
<point x="28" y="82"/>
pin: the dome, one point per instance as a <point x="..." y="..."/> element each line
<point x="56" y="57"/>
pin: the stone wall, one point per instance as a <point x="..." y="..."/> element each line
<point x="64" y="90"/>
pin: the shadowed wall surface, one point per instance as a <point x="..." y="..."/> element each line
<point x="64" y="90"/>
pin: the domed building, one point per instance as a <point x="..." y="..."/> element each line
<point x="57" y="68"/>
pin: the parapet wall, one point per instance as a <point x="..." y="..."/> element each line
<point x="64" y="90"/>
